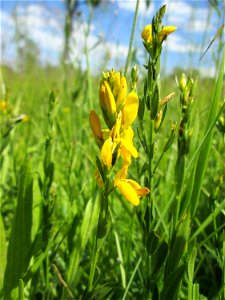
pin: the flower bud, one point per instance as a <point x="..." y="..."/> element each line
<point x="107" y="103"/>
<point x="183" y="82"/>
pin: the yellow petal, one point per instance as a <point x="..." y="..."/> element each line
<point x="126" y="156"/>
<point x="106" y="152"/>
<point x="115" y="132"/>
<point x="130" y="109"/>
<point x="95" y="124"/>
<point x="121" y="174"/>
<point x="128" y="192"/>
<point x="128" y="146"/>
<point x="147" y="34"/>
<point x="127" y="142"/>
<point x="121" y="98"/>
<point x="139" y="190"/>
<point x="165" y="32"/>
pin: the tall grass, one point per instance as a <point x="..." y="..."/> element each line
<point x="63" y="236"/>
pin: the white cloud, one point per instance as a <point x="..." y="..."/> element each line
<point x="207" y="71"/>
<point x="130" y="5"/>
<point x="189" y="17"/>
<point x="176" y="43"/>
<point x="115" y="53"/>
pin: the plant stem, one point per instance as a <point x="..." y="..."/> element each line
<point x="131" y="37"/>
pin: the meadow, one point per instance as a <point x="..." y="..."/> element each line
<point x="112" y="184"/>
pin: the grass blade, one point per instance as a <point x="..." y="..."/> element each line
<point x="20" y="240"/>
<point x="204" y="153"/>
<point x="131" y="279"/>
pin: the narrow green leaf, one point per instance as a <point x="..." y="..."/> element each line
<point x="172" y="283"/>
<point x="21" y="290"/>
<point x="191" y="265"/>
<point x="120" y="257"/>
<point x="178" y="246"/>
<point x="89" y="222"/>
<point x="159" y="257"/>
<point x="131" y="279"/>
<point x="204" y="153"/>
<point x="18" y="255"/>
<point x="3" y="251"/>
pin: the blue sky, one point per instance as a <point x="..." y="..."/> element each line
<point x="43" y="22"/>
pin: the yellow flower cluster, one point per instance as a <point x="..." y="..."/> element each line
<point x="119" y="112"/>
<point x="147" y="33"/>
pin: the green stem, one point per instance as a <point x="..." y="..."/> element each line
<point x="102" y="232"/>
<point x="132" y="37"/>
<point x="89" y="83"/>
<point x="93" y="266"/>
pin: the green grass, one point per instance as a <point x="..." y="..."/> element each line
<point x="53" y="243"/>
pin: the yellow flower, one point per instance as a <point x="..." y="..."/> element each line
<point x="3" y="105"/>
<point x="165" y="32"/>
<point x="119" y="141"/>
<point x="129" y="188"/>
<point x="147" y="34"/>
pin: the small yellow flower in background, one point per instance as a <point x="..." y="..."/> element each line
<point x="66" y="109"/>
<point x="147" y="34"/>
<point x="165" y="32"/>
<point x="3" y="105"/>
<point x="25" y="118"/>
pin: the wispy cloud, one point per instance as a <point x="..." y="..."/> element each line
<point x="41" y="26"/>
<point x="131" y="5"/>
<point x="176" y="43"/>
<point x="189" y="17"/>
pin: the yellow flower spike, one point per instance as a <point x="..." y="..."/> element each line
<point x="106" y="152"/>
<point x="95" y="125"/>
<point x="121" y="98"/>
<point x="165" y="32"/>
<point x="147" y="34"/>
<point x="128" y="192"/>
<point x="130" y="109"/>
